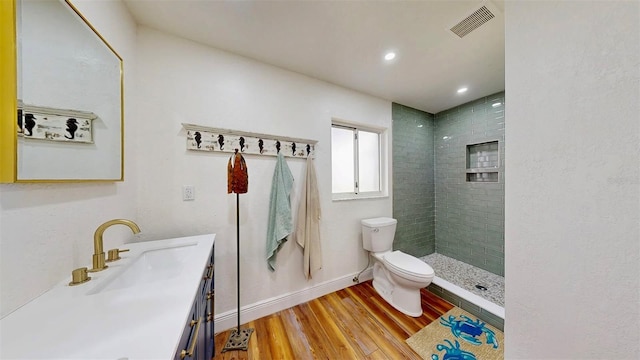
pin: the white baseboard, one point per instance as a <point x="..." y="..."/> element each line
<point x="254" y="311"/>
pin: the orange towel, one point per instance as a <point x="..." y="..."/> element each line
<point x="237" y="175"/>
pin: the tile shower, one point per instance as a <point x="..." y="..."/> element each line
<point x="470" y="214"/>
<point x="448" y="183"/>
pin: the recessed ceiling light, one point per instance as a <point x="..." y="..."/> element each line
<point x="390" y="56"/>
<point x="496" y="104"/>
<point x="461" y="90"/>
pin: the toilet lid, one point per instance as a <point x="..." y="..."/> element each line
<point x="405" y="263"/>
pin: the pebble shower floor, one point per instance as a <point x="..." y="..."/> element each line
<point x="467" y="277"/>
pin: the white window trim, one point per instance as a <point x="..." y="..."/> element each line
<point x="384" y="162"/>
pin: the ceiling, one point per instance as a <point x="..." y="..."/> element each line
<point x="344" y="42"/>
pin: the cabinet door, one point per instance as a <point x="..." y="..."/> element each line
<point x="209" y="328"/>
<point x="205" y="339"/>
<point x="188" y="336"/>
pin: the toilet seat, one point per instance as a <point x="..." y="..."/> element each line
<point x="408" y="266"/>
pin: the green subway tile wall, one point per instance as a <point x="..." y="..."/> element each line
<point x="437" y="209"/>
<point x="469" y="222"/>
<point x="413" y="180"/>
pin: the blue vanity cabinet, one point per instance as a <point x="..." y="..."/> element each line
<point x="209" y="311"/>
<point x="205" y="310"/>
<point x="197" y="342"/>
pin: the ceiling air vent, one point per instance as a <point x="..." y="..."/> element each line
<point x="472" y="22"/>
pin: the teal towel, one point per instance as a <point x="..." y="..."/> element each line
<point x="280" y="223"/>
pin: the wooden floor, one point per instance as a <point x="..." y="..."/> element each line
<point x="353" y="323"/>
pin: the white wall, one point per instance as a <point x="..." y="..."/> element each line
<point x="58" y="51"/>
<point x="181" y="81"/>
<point x="46" y="230"/>
<point x="572" y="227"/>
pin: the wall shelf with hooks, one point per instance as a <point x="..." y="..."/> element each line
<point x="204" y="138"/>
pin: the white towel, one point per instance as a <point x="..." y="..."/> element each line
<point x="307" y="233"/>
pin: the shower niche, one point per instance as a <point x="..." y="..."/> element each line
<point x="483" y="162"/>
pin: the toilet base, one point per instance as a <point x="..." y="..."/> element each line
<point x="404" y="299"/>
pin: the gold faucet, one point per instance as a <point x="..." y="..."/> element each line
<point x="98" y="251"/>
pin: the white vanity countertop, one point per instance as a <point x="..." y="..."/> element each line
<point x="137" y="322"/>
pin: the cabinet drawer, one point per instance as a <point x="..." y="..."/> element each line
<point x="209" y="328"/>
<point x="187" y="335"/>
<point x="205" y="286"/>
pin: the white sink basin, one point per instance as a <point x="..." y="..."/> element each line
<point x="136" y="309"/>
<point x="149" y="266"/>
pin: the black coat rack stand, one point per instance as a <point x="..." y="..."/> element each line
<point x="239" y="339"/>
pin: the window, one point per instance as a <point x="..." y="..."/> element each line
<point x="356" y="162"/>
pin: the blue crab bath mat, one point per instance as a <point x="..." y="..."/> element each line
<point x="458" y="335"/>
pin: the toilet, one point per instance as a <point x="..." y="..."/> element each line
<point x="397" y="277"/>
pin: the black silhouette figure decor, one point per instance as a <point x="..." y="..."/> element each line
<point x="228" y="141"/>
<point x="261" y="145"/>
<point x="198" y="138"/>
<point x="29" y="123"/>
<point x="72" y="126"/>
<point x="64" y="125"/>
<point x="19" y="120"/>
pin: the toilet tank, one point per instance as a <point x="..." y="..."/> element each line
<point x="378" y="233"/>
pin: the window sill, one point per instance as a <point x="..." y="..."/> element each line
<point x="348" y="197"/>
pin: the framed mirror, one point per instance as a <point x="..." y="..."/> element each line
<point x="66" y="96"/>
